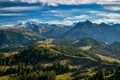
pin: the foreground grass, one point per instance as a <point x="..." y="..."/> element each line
<point x="65" y="76"/>
<point x="4" y="77"/>
<point x="109" y="59"/>
<point x="7" y="77"/>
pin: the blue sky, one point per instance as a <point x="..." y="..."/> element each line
<point x="59" y="11"/>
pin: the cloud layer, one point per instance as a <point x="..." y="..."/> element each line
<point x="11" y="14"/>
<point x="20" y="8"/>
<point x="59" y="11"/>
<point x="68" y="2"/>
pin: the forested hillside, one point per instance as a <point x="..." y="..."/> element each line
<point x="47" y="61"/>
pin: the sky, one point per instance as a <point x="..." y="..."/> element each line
<point x="59" y="11"/>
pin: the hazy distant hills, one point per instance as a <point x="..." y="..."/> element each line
<point x="102" y="32"/>
<point x="28" y="32"/>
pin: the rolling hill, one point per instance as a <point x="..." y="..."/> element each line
<point x="41" y="58"/>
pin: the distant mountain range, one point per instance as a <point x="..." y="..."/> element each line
<point x="28" y="32"/>
<point x="87" y="29"/>
<point x="47" y="30"/>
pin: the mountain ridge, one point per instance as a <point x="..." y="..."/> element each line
<point x="36" y="30"/>
<point x="96" y="31"/>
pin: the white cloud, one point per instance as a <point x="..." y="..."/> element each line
<point x="11" y="14"/>
<point x="65" y="22"/>
<point x="106" y="20"/>
<point x="19" y="8"/>
<point x="34" y="20"/>
<point x="65" y="13"/>
<point x="69" y="2"/>
<point x="106" y="17"/>
<point x="112" y="8"/>
<point x="29" y="20"/>
<point x="69" y="20"/>
<point x="97" y="16"/>
<point x="8" y="25"/>
<point x="109" y="15"/>
<point x="77" y="17"/>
